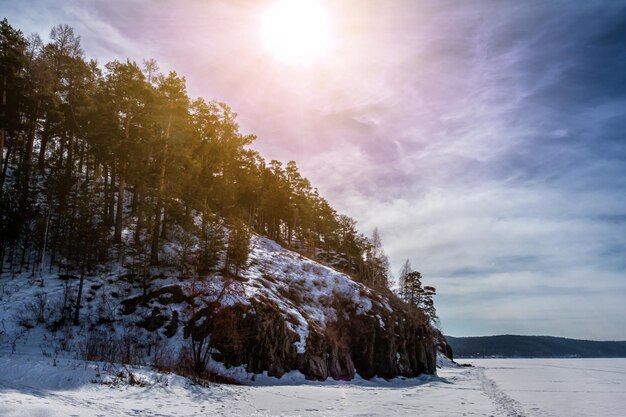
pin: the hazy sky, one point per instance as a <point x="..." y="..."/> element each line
<point x="485" y="139"/>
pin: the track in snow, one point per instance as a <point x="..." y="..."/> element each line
<point x="503" y="402"/>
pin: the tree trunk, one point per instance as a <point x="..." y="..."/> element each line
<point x="139" y="211"/>
<point x="45" y="136"/>
<point x="154" y="250"/>
<point x="62" y="145"/>
<point x="1" y="148"/>
<point x="133" y="209"/>
<point x="79" y="296"/>
<point x="111" y="208"/>
<point x="26" y="160"/>
<point x="70" y="154"/>
<point x="117" y="237"/>
<point x="45" y="243"/>
<point x="6" y="165"/>
<point x="105" y="209"/>
<point x="2" y="130"/>
<point x="164" y="224"/>
<point x="30" y="139"/>
<point x="81" y="160"/>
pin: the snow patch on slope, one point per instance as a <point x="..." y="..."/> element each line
<point x="274" y="271"/>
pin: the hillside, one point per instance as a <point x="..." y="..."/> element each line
<point x="138" y="226"/>
<point x="90" y="155"/>
<point x="512" y="346"/>
<point x="283" y="313"/>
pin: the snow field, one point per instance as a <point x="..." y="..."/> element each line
<point x="558" y="387"/>
<point x="31" y="386"/>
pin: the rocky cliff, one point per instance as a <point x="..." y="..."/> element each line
<point x="286" y="312"/>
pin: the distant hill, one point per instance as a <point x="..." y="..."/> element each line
<point x="512" y="346"/>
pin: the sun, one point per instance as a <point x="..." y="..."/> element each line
<point x="296" y="32"/>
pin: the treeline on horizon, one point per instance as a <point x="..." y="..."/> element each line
<point x="516" y="346"/>
<point x="98" y="161"/>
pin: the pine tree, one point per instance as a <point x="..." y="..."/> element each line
<point x="377" y="263"/>
<point x="238" y="246"/>
<point x="413" y="291"/>
<point x="89" y="236"/>
<point x="405" y="270"/>
<point x="211" y="243"/>
<point x="127" y="92"/>
<point x="173" y="101"/>
<point x="428" y="305"/>
<point x="12" y="66"/>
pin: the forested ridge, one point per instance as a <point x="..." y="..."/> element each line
<point x="105" y="161"/>
<point x="516" y="346"/>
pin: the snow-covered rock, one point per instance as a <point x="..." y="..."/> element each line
<point x="283" y="313"/>
<point x="286" y="312"/>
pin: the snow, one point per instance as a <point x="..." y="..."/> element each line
<point x="274" y="270"/>
<point x="549" y="387"/>
<point x="31" y="386"/>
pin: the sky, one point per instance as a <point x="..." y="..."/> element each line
<point x="485" y="139"/>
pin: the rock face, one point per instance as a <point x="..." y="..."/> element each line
<point x="380" y="343"/>
<point x="400" y="343"/>
<point x="287" y="313"/>
<point x="441" y="344"/>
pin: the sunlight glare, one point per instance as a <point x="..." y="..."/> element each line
<point x="296" y="32"/>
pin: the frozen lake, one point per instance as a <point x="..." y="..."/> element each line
<point x="525" y="387"/>
<point x="558" y="387"/>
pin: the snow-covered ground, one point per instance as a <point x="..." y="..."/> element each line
<point x="556" y="387"/>
<point x="32" y="386"/>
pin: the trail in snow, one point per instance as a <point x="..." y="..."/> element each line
<point x="561" y="387"/>
<point x="502" y="401"/>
